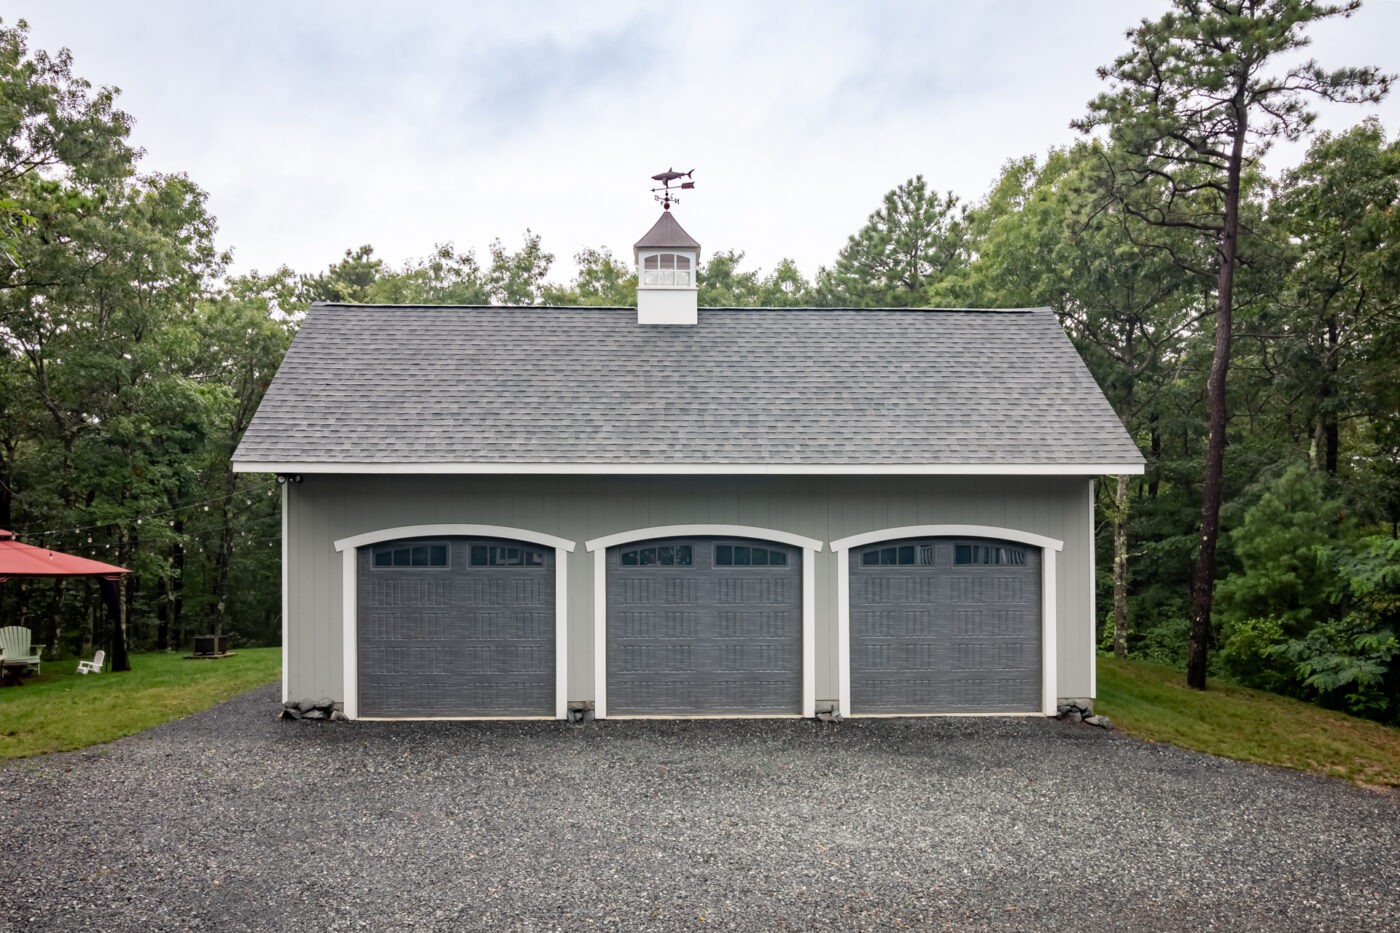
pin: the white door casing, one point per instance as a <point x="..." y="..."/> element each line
<point x="599" y="547"/>
<point x="349" y="572"/>
<point x="1049" y="547"/>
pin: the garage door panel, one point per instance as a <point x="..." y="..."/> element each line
<point x="471" y="636"/>
<point x="973" y="693"/>
<point x="706" y="696"/>
<point x="702" y="638"/>
<point x="932" y="630"/>
<point x="449" y="696"/>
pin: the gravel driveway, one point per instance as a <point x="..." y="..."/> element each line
<point x="233" y="820"/>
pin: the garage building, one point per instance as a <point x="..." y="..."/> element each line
<point x="673" y="511"/>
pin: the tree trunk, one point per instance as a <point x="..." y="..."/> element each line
<point x="168" y="634"/>
<point x="7" y="493"/>
<point x="52" y="629"/>
<point x="1153" y="481"/>
<point x="223" y="558"/>
<point x="112" y="598"/>
<point x="120" y="613"/>
<point x="1331" y="433"/>
<point x="1120" y="568"/>
<point x="1203" y="573"/>
<point x="1120" y="529"/>
<point x="177" y="588"/>
<point x="88" y="631"/>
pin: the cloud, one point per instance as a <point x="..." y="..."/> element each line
<point x="317" y="126"/>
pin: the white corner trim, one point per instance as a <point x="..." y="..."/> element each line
<point x="684" y="531"/>
<point x="453" y="529"/>
<point x="1050" y="658"/>
<point x="600" y="633"/>
<point x="947" y="531"/>
<point x="843" y="632"/>
<point x="286" y="600"/>
<point x="349" y="632"/>
<point x="599" y="547"/>
<point x="1093" y="598"/>
<point x="1049" y="697"/>
<point x="349" y="580"/>
<point x="424" y="468"/>
<point x="561" y="633"/>
<point x="809" y="633"/>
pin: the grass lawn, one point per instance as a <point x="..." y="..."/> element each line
<point x="60" y="710"/>
<point x="1152" y="702"/>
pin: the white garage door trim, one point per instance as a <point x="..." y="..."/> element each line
<point x="599" y="547"/>
<point x="349" y="581"/>
<point x="1049" y="698"/>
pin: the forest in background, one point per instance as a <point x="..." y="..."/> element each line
<point x="131" y="360"/>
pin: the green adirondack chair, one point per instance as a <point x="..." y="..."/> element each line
<point x="16" y="649"/>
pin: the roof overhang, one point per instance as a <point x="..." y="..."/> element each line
<point x="699" y="469"/>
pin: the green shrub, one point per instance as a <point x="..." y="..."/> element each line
<point x="1248" y="655"/>
<point x="1353" y="662"/>
<point x="1281" y="547"/>
<point x="1345" y="665"/>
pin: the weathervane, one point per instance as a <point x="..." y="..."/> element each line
<point x="666" y="178"/>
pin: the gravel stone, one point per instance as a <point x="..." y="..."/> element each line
<point x="233" y="819"/>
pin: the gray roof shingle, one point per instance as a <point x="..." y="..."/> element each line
<point x="770" y="387"/>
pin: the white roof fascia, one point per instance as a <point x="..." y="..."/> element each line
<point x="700" y="469"/>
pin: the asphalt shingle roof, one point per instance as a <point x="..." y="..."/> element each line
<point x="472" y="385"/>
<point x="666" y="233"/>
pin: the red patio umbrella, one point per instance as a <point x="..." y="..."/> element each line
<point x="25" y="560"/>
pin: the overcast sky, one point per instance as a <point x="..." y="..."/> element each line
<point x="320" y="126"/>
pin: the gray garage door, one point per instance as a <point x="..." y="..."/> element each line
<point x="944" y="625"/>
<point x="704" y="626"/>
<point x="456" y="627"/>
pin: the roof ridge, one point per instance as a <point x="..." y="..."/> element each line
<point x="633" y="308"/>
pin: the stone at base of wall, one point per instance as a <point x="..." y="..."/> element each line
<point x="826" y="711"/>
<point x="321" y="708"/>
<point x="1073" y="710"/>
<point x="581" y="711"/>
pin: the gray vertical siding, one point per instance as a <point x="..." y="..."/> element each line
<point x="325" y="508"/>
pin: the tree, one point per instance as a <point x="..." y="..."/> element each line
<point x="1341" y="297"/>
<point x="444" y="277"/>
<point x="602" y="280"/>
<point x="913" y="241"/>
<point x="516" y="278"/>
<point x="1279" y="546"/>
<point x="58" y="139"/>
<point x="246" y="332"/>
<point x="1193" y="103"/>
<point x="724" y="285"/>
<point x="352" y="280"/>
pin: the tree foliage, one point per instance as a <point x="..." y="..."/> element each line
<point x="1198" y="96"/>
<point x="110" y="404"/>
<point x="914" y="240"/>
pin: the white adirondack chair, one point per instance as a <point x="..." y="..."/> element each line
<point x="15" y="647"/>
<point x="95" y="665"/>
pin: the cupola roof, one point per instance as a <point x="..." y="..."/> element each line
<point x="666" y="233"/>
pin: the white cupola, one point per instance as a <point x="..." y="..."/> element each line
<point x="667" y="259"/>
